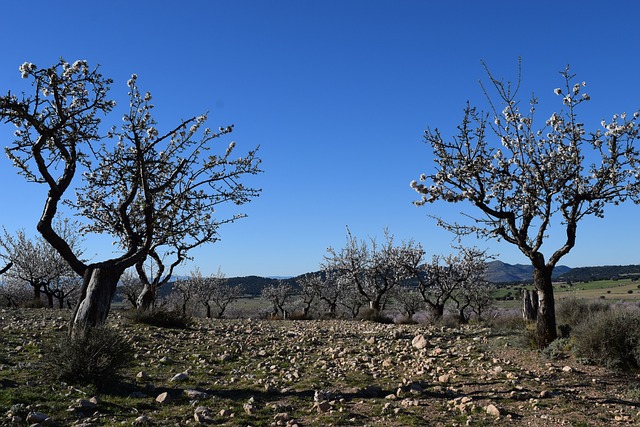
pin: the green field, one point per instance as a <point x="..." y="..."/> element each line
<point x="608" y="290"/>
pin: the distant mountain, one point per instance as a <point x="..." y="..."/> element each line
<point x="497" y="272"/>
<point x="500" y="272"/>
<point x="253" y="285"/>
<point x="606" y="272"/>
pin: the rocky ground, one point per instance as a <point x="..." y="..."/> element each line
<point x="312" y="373"/>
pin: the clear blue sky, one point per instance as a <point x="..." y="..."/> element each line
<point x="337" y="93"/>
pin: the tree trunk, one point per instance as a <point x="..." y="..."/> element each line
<point x="37" y="295"/>
<point x="437" y="310"/>
<point x="529" y="305"/>
<point x="98" y="288"/>
<point x="49" y="299"/>
<point x="146" y="297"/>
<point x="546" y="320"/>
<point x="462" y="317"/>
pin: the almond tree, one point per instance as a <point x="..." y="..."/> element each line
<point x="39" y="265"/>
<point x="6" y="268"/>
<point x="469" y="272"/>
<point x="331" y="289"/>
<point x="214" y="291"/>
<point x="187" y="288"/>
<point x="15" y="294"/>
<point x="129" y="287"/>
<point x="408" y="301"/>
<point x="280" y="296"/>
<point x="309" y="286"/>
<point x="374" y="270"/>
<point x="64" y="289"/>
<point x="146" y="188"/>
<point x="436" y="282"/>
<point x="522" y="177"/>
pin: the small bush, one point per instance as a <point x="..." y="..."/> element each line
<point x="299" y="315"/>
<point x="160" y="317"/>
<point x="92" y="356"/>
<point x="558" y="349"/>
<point x="372" y="315"/>
<point x="448" y="321"/>
<point x="507" y="324"/>
<point x="405" y="320"/>
<point x="573" y="311"/>
<point x="610" y="339"/>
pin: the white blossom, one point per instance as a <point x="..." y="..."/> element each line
<point x="26" y="68"/>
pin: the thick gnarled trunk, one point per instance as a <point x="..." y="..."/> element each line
<point x="98" y="288"/>
<point x="546" y="318"/>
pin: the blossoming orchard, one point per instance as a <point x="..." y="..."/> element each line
<point x="151" y="191"/>
<point x="519" y="176"/>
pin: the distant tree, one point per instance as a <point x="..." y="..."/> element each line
<point x="65" y="289"/>
<point x="470" y="294"/>
<point x="214" y="291"/>
<point x="481" y="298"/>
<point x="129" y="287"/>
<point x="351" y="300"/>
<point x="15" y="294"/>
<point x="436" y="282"/>
<point x="187" y="289"/>
<point x="147" y="189"/>
<point x="37" y="264"/>
<point x="330" y="288"/>
<point x="408" y="300"/>
<point x="373" y="269"/>
<point x="310" y="285"/>
<point x="520" y="178"/>
<point x="280" y="296"/>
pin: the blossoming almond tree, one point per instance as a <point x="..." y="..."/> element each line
<point x="148" y="189"/>
<point x="374" y="270"/>
<point x="521" y="177"/>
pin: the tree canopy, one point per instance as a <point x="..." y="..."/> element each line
<point x="519" y="175"/>
<point x="152" y="190"/>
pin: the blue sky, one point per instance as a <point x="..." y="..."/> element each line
<point x="337" y="94"/>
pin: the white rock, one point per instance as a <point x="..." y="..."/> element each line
<point x="492" y="410"/>
<point x="203" y="415"/>
<point x="163" y="398"/>
<point x="419" y="342"/>
<point x="182" y="376"/>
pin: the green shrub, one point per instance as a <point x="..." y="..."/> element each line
<point x="448" y="321"/>
<point x="572" y="311"/>
<point x="160" y="317"/>
<point x="558" y="349"/>
<point x="507" y="324"/>
<point x="610" y="338"/>
<point x="92" y="356"/>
